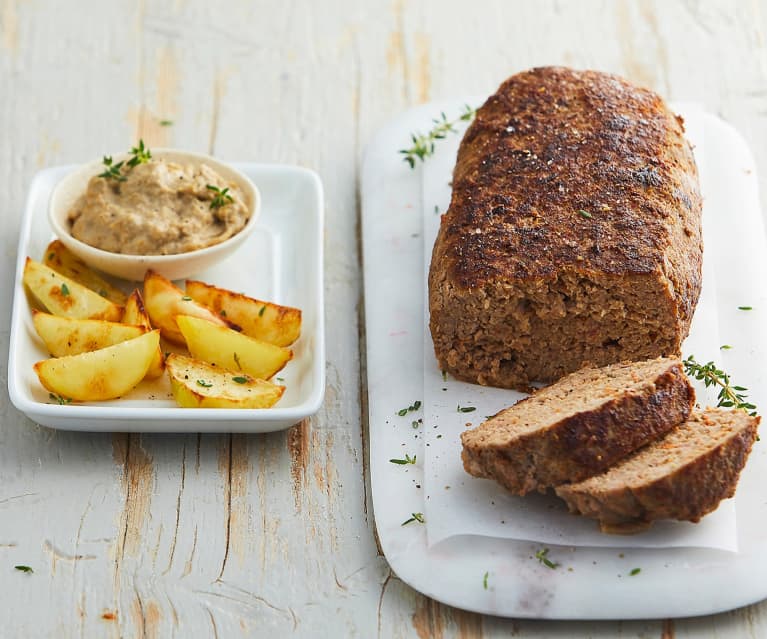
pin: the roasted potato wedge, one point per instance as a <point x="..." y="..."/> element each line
<point x="280" y="325"/>
<point x="70" y="336"/>
<point x="103" y="374"/>
<point x="63" y="296"/>
<point x="197" y="384"/>
<point x="135" y="313"/>
<point x="62" y="260"/>
<point x="164" y="301"/>
<point x="229" y="349"/>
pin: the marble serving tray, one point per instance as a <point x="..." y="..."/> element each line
<point x="503" y="576"/>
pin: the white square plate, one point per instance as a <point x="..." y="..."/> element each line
<point x="281" y="262"/>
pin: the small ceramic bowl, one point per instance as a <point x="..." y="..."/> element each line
<point x="133" y="267"/>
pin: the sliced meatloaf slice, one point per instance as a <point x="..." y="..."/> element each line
<point x="682" y="476"/>
<point x="580" y="425"/>
<point x="573" y="236"/>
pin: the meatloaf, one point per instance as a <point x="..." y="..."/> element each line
<point x="682" y="476"/>
<point x="573" y="236"/>
<point x="579" y="426"/>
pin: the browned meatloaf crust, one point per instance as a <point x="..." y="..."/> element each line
<point x="579" y="426"/>
<point x="573" y="236"/>
<point x="682" y="476"/>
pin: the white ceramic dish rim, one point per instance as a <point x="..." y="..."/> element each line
<point x="35" y="409"/>
<point x="82" y="173"/>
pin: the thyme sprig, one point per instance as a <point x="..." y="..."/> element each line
<point x="730" y="396"/>
<point x="141" y="154"/>
<point x="112" y="171"/>
<point x="221" y="197"/>
<point x="423" y="143"/>
<point x="59" y="399"/>
<point x="416" y="517"/>
<point x="542" y="557"/>
<point x="413" y="407"/>
<point x="408" y="460"/>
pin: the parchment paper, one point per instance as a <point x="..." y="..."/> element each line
<point x="458" y="504"/>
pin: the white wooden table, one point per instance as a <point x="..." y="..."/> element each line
<point x="233" y="535"/>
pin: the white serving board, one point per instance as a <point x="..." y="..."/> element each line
<point x="591" y="582"/>
<point x="281" y="261"/>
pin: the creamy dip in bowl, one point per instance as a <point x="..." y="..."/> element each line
<point x="178" y="213"/>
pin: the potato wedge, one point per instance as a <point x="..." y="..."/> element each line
<point x="280" y="325"/>
<point x="70" y="336"/>
<point x="135" y="313"/>
<point x="63" y="296"/>
<point x="164" y="301"/>
<point x="197" y="384"/>
<point x="62" y="260"/>
<point x="103" y="374"/>
<point x="229" y="349"/>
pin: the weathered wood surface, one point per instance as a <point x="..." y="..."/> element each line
<point x="229" y="536"/>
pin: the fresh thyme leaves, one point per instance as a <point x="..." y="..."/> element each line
<point x="725" y="347"/>
<point x="141" y="154"/>
<point x="237" y="361"/>
<point x="444" y="376"/>
<point x="261" y="311"/>
<point x="416" y="423"/>
<point x="484" y="580"/>
<point x="222" y="313"/>
<point x="423" y="143"/>
<point x="186" y="298"/>
<point x="542" y="557"/>
<point x="408" y="460"/>
<point x="635" y="571"/>
<point x="466" y="409"/>
<point x="745" y="308"/>
<point x="584" y="213"/>
<point x="25" y="569"/>
<point x="730" y="396"/>
<point x="59" y="399"/>
<point x="240" y="380"/>
<point x="413" y="407"/>
<point x="280" y="379"/>
<point x="64" y="289"/>
<point x="102" y="292"/>
<point x="166" y="122"/>
<point x="416" y="517"/>
<point x="112" y="171"/>
<point x="203" y="383"/>
<point x="221" y="197"/>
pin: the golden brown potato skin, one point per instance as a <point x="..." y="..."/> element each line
<point x="573" y="235"/>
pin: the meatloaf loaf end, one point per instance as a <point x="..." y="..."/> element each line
<point x="579" y="426"/>
<point x="681" y="476"/>
<point x="573" y="236"/>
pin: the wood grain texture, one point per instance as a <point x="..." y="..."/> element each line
<point x="273" y="535"/>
